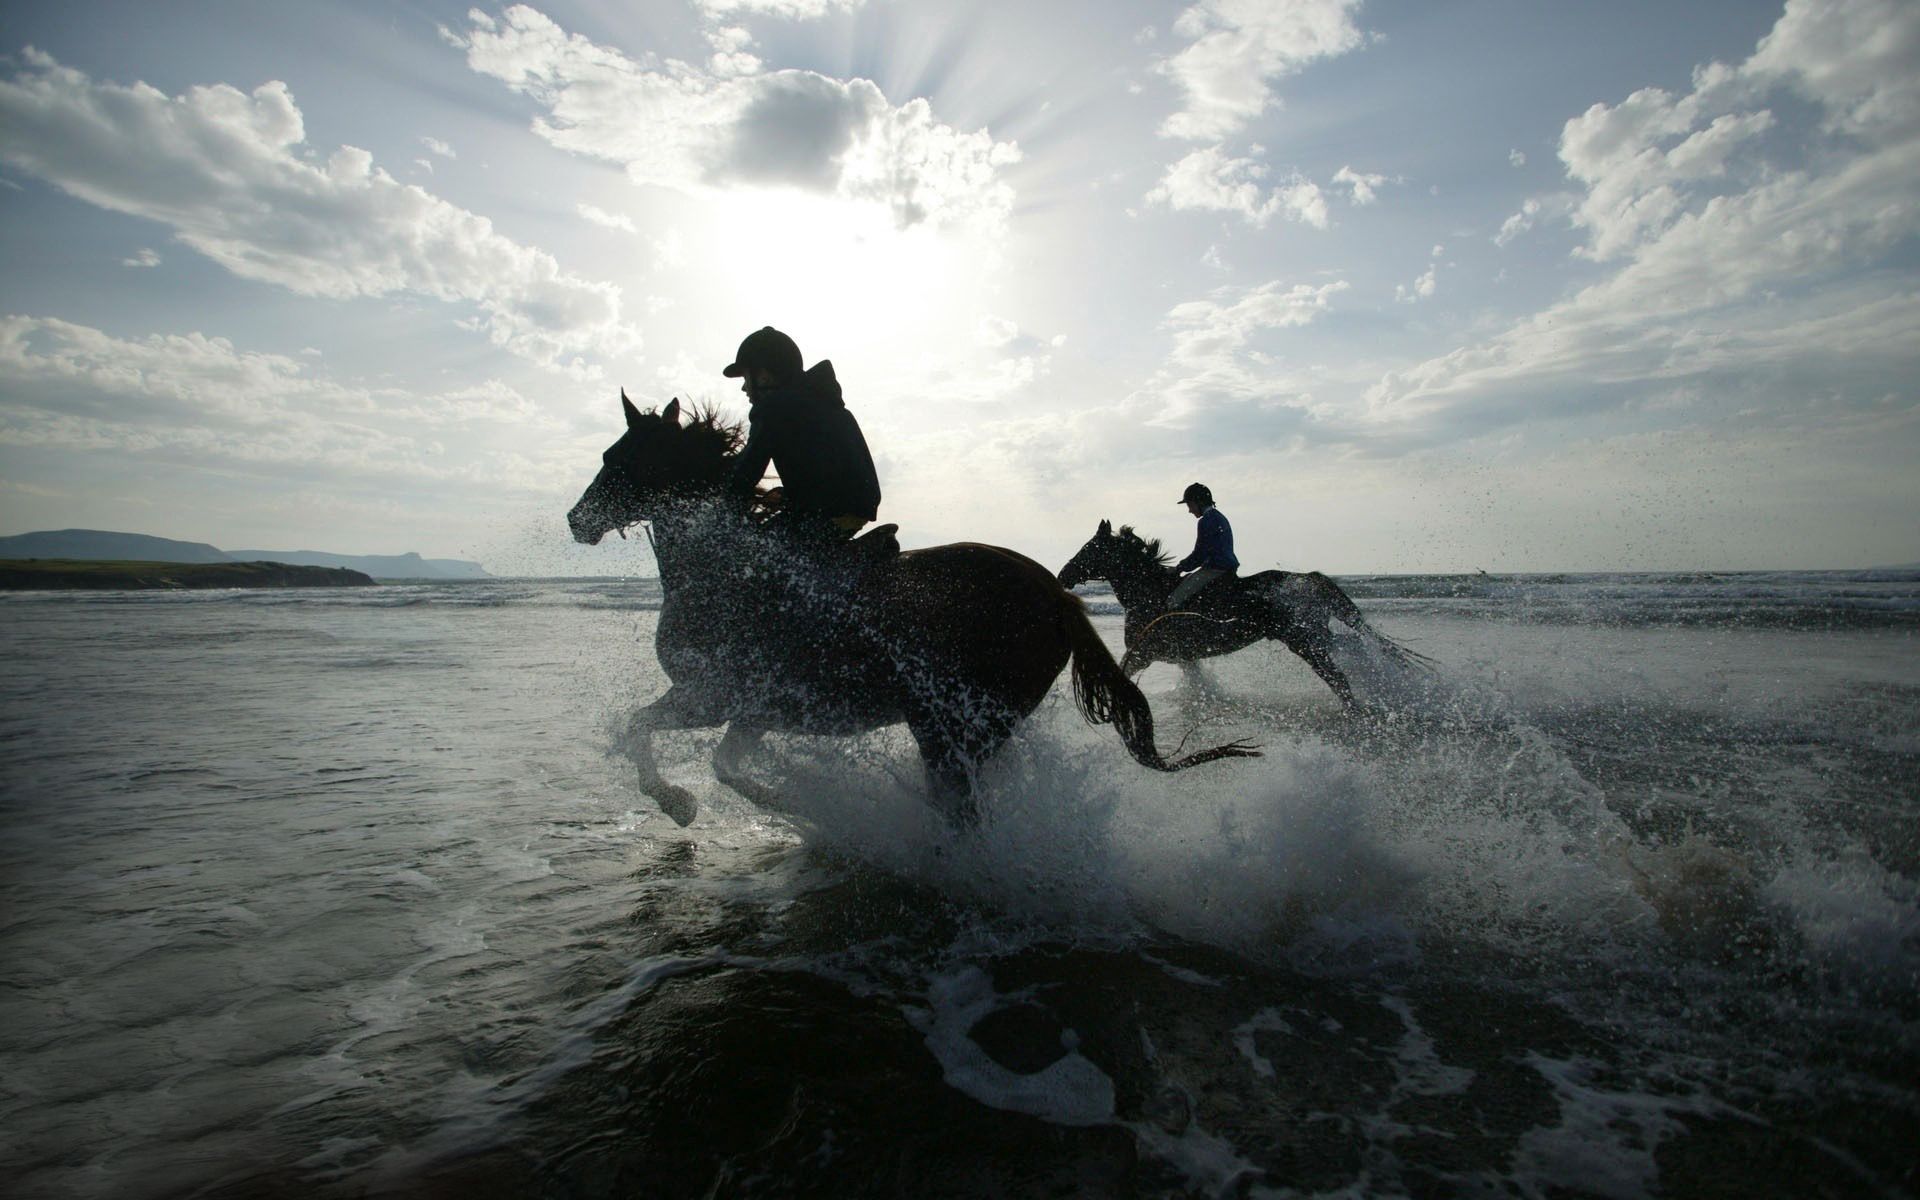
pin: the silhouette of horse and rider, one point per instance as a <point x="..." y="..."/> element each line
<point x="775" y="617"/>
<point x="1213" y="610"/>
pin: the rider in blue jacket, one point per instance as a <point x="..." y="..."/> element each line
<point x="1212" y="554"/>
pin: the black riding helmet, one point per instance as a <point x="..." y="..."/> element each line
<point x="766" y="347"/>
<point x="1197" y="492"/>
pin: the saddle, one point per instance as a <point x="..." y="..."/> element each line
<point x="1225" y="599"/>
<point x="843" y="566"/>
<point x="873" y="547"/>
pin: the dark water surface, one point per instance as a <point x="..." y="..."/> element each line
<point x="349" y="893"/>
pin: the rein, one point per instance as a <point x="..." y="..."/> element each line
<point x="1182" y="615"/>
<point x="648" y="527"/>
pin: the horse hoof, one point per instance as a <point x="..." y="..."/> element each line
<point x="679" y="805"/>
<point x="962" y="818"/>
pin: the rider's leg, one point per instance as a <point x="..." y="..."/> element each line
<point x="1189" y="587"/>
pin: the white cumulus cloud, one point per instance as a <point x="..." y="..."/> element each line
<point x="1731" y="250"/>
<point x="1362" y="187"/>
<point x="995" y="332"/>
<point x="230" y="173"/>
<point x="1644" y="161"/>
<point x="1518" y="223"/>
<point x="732" y="52"/>
<point x="1673" y="182"/>
<point x="1211" y="180"/>
<point x="678" y="126"/>
<point x="605" y="219"/>
<point x="1855" y="58"/>
<point x="199" y="401"/>
<point x="1238" y="48"/>
<point x="1226" y="321"/>
<point x="1225" y="381"/>
<point x="793" y="10"/>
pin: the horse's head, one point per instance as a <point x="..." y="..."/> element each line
<point x="1094" y="560"/>
<point x="657" y="458"/>
<point x="1114" y="557"/>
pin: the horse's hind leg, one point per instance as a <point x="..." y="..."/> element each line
<point x="728" y="768"/>
<point x="953" y="749"/>
<point x="951" y="786"/>
<point x="1195" y="679"/>
<point x="1316" y="651"/>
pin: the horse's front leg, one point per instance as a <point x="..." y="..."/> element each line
<point x="740" y="739"/>
<point x="1137" y="657"/>
<point x="663" y="714"/>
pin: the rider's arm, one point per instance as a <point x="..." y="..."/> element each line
<point x="1219" y="538"/>
<point x="753" y="460"/>
<point x="864" y="484"/>
<point x="1208" y="540"/>
<point x="1199" y="551"/>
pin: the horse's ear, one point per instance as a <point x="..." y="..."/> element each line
<point x="633" y="414"/>
<point x="1106" y="528"/>
<point x="671" y="413"/>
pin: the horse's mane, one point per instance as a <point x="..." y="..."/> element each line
<point x="1149" y="550"/>
<point x="702" y="423"/>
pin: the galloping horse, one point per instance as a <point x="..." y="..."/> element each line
<point x="959" y="641"/>
<point x="1295" y="608"/>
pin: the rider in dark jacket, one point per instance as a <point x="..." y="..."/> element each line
<point x="799" y="423"/>
<point x="1212" y="554"/>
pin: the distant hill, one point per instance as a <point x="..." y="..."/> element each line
<point x="92" y="544"/>
<point x="66" y="574"/>
<point x="380" y="566"/>
<point x="96" y="543"/>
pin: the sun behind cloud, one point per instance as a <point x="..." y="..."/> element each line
<point x="844" y="267"/>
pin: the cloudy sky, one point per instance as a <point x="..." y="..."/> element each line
<point x="1414" y="286"/>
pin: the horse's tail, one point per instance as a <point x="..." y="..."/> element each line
<point x="1349" y="612"/>
<point x="1107" y="697"/>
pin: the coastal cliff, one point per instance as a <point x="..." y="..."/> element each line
<point x="105" y="545"/>
<point x="50" y="574"/>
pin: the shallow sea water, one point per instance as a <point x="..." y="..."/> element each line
<point x="349" y="893"/>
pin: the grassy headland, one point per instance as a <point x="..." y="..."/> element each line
<point x="49" y="574"/>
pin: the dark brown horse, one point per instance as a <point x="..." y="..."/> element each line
<point x="760" y="634"/>
<point x="1295" y="608"/>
